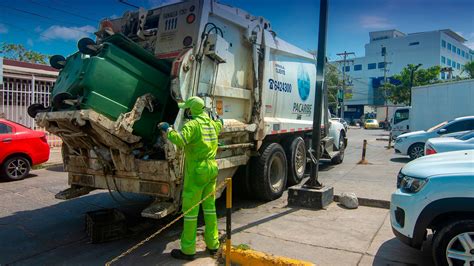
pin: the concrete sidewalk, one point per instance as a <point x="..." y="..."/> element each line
<point x="375" y="180"/>
<point x="335" y="236"/>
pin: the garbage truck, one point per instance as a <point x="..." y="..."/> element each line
<point x="111" y="94"/>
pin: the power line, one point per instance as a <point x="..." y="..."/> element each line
<point x="42" y="16"/>
<point x="64" y="11"/>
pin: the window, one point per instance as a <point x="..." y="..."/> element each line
<point x="462" y="53"/>
<point x="4" y="129"/>
<point x="443" y="75"/>
<point x="458" y="66"/>
<point x="449" y="46"/>
<point x="443" y="59"/>
<point x="357" y="67"/>
<point x="457" y="126"/>
<point x="381" y="64"/>
<point x="348" y="68"/>
<point x="413" y="43"/>
<point x="454" y="49"/>
<point x="458" y="51"/>
<point x="449" y="62"/>
<point x="453" y="64"/>
<point x="401" y="115"/>
<point x="443" y="43"/>
<point x="372" y="66"/>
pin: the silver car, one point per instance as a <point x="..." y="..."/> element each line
<point x="445" y="144"/>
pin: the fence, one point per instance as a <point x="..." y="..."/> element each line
<point x="20" y="91"/>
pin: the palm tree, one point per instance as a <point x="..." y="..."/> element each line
<point x="469" y="69"/>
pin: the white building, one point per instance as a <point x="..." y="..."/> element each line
<point x="441" y="47"/>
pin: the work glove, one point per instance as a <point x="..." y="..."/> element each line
<point x="164" y="126"/>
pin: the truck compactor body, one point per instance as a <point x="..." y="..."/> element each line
<point x="110" y="96"/>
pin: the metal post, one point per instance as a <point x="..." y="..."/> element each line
<point x="228" y="227"/>
<point x="389" y="141"/>
<point x="318" y="98"/>
<point x="364" y="149"/>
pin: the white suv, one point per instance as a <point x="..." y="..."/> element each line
<point x="437" y="192"/>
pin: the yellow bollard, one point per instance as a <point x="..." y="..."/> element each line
<point x="228" y="204"/>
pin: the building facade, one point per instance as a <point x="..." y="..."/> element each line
<point x="23" y="84"/>
<point x="443" y="48"/>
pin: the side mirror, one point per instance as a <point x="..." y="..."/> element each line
<point x="442" y="131"/>
<point x="88" y="46"/>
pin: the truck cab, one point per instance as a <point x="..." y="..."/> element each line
<point x="400" y="122"/>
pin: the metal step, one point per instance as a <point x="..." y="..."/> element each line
<point x="158" y="210"/>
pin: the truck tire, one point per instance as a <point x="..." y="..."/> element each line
<point x="454" y="239"/>
<point x="340" y="157"/>
<point x="16" y="168"/>
<point x="416" y="150"/>
<point x="269" y="172"/>
<point x="295" y="151"/>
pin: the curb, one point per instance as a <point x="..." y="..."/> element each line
<point x="256" y="258"/>
<point x="375" y="203"/>
<point x="46" y="165"/>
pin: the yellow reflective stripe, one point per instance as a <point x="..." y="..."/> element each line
<point x="209" y="134"/>
<point x="208" y="210"/>
<point x="210" y="139"/>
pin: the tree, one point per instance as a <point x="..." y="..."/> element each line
<point x="333" y="85"/>
<point x="20" y="53"/>
<point x="469" y="69"/>
<point x="410" y="77"/>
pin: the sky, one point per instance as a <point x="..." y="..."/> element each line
<point x="54" y="26"/>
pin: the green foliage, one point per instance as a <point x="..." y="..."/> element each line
<point x="401" y="94"/>
<point x="20" y="53"/>
<point x="331" y="78"/>
<point x="469" y="69"/>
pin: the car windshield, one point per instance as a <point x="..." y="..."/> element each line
<point x="467" y="136"/>
<point x="437" y="126"/>
<point x="371" y="121"/>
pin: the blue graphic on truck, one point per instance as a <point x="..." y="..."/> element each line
<point x="303" y="83"/>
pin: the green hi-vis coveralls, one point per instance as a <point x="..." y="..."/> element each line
<point x="199" y="139"/>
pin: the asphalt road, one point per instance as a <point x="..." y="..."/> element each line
<point x="35" y="228"/>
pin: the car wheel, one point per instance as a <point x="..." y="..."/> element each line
<point x="454" y="244"/>
<point x="416" y="150"/>
<point x="16" y="168"/>
<point x="295" y="151"/>
<point x="269" y="172"/>
<point x="340" y="157"/>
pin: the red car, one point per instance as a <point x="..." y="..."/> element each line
<point x="20" y="148"/>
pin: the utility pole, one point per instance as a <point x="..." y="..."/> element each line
<point x="412" y="76"/>
<point x="313" y="194"/>
<point x="385" y="70"/>
<point x="344" y="60"/>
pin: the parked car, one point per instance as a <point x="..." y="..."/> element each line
<point x="437" y="192"/>
<point x="371" y="123"/>
<point x="413" y="143"/>
<point x="445" y="144"/>
<point x="20" y="149"/>
<point x="342" y="121"/>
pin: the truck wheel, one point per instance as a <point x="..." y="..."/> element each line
<point x="16" y="168"/>
<point x="416" y="150"/>
<point x="454" y="243"/>
<point x="295" y="151"/>
<point x="269" y="172"/>
<point x="342" y="147"/>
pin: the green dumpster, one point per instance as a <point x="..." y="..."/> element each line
<point x="111" y="81"/>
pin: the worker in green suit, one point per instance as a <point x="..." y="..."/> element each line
<point x="198" y="137"/>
